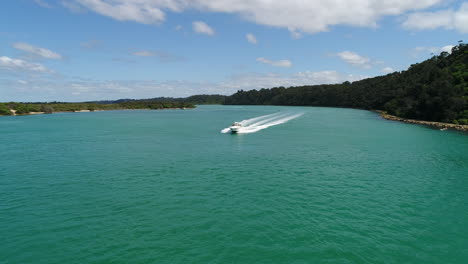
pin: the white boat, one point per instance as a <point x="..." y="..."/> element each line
<point x="235" y="127"/>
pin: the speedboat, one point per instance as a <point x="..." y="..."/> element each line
<point x="235" y="127"/>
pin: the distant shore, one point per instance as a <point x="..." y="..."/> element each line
<point x="19" y="108"/>
<point x="13" y="112"/>
<point x="438" y="125"/>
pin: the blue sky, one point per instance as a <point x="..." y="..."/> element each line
<point x="77" y="50"/>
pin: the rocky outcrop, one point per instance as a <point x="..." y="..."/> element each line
<point x="438" y="125"/>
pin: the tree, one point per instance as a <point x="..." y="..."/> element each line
<point x="4" y="110"/>
<point x="47" y="109"/>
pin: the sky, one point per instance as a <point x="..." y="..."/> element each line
<point x="82" y="50"/>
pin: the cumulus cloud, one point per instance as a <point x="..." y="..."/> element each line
<point x="279" y="63"/>
<point x="37" y="51"/>
<point x="43" y="3"/>
<point x="251" y="38"/>
<point x="269" y="80"/>
<point x="85" y="90"/>
<point x="201" y="27"/>
<point x="447" y="48"/>
<point x="355" y="59"/>
<point x="141" y="11"/>
<point x="310" y="16"/>
<point x="324" y="77"/>
<point x="73" y="6"/>
<point x="387" y="70"/>
<point x="418" y="51"/>
<point x="294" y="33"/>
<point x="12" y="64"/>
<point x="447" y="19"/>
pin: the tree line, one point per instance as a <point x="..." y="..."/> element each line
<point x="25" y="108"/>
<point x="434" y="90"/>
<point x="202" y="99"/>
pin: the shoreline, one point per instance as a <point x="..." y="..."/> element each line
<point x="438" y="125"/>
<point x="382" y="114"/>
<point x="13" y="112"/>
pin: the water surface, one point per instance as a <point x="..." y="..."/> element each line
<point x="331" y="186"/>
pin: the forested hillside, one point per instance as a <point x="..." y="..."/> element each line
<point x="434" y="90"/>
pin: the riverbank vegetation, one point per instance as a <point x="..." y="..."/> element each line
<point x="48" y="108"/>
<point x="202" y="99"/>
<point x="434" y="90"/>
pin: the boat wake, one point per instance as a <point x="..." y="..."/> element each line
<point x="262" y="122"/>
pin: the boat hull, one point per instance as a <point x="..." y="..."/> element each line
<point x="234" y="130"/>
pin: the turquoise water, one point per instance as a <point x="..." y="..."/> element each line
<point x="331" y="186"/>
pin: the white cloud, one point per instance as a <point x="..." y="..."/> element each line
<point x="310" y="16"/>
<point x="251" y="38"/>
<point x="447" y="48"/>
<point x="447" y="19"/>
<point x="85" y="90"/>
<point x="269" y="80"/>
<point x="37" y="51"/>
<point x="279" y="63"/>
<point x="418" y="51"/>
<point x="202" y="28"/>
<point x="355" y="59"/>
<point x="178" y="28"/>
<point x="141" y="11"/>
<point x="387" y="70"/>
<point x="22" y="82"/>
<point x="73" y="6"/>
<point x="294" y="33"/>
<point x="43" y="3"/>
<point x="427" y="20"/>
<point x="11" y="64"/>
<point x="324" y="77"/>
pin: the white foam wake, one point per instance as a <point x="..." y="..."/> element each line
<point x="259" y="123"/>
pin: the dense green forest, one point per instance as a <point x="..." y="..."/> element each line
<point x="25" y="108"/>
<point x="151" y="103"/>
<point x="434" y="90"/>
<point x="202" y="99"/>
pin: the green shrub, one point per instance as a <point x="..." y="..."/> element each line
<point x="22" y="109"/>
<point x="463" y="121"/>
<point x="4" y="110"/>
<point x="47" y="109"/>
